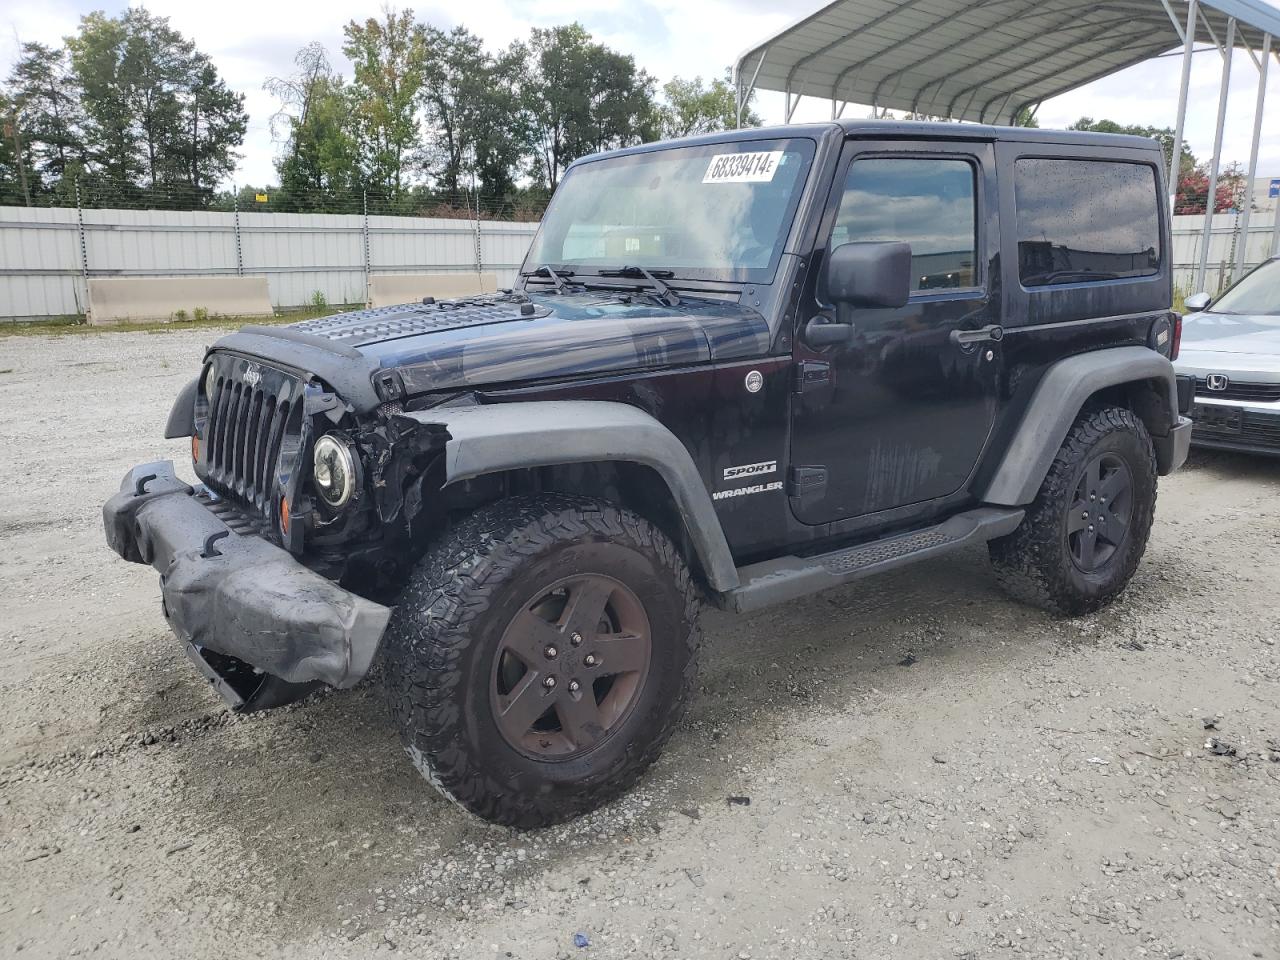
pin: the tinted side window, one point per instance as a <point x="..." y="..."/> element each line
<point x="1081" y="220"/>
<point x="927" y="203"/>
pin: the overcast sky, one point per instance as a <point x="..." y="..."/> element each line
<point x="252" y="41"/>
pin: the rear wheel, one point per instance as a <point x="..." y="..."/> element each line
<point x="1084" y="534"/>
<point x="541" y="656"/>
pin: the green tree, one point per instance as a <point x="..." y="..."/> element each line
<point x="472" y="106"/>
<point x="621" y="107"/>
<point x="502" y="138"/>
<point x="457" y="74"/>
<point x="214" y="122"/>
<point x="691" y="108"/>
<point x="319" y="166"/>
<point x="98" y="58"/>
<point x="156" y="112"/>
<point x="157" y="63"/>
<point x="1188" y="162"/>
<point x="46" y="114"/>
<point x="390" y="64"/>
<point x="582" y="97"/>
<point x="15" y="187"/>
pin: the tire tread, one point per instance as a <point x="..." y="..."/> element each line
<point x="432" y="628"/>
<point x="1032" y="563"/>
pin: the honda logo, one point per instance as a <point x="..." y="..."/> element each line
<point x="1216" y="382"/>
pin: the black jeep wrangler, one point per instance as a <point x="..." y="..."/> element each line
<point x="739" y="368"/>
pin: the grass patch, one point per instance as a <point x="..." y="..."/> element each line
<point x="75" y="325"/>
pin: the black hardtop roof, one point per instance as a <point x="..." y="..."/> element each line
<point x="896" y="130"/>
<point x="934" y="129"/>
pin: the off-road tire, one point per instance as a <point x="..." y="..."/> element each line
<point x="443" y="637"/>
<point x="1034" y="563"/>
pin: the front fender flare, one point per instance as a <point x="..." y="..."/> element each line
<point x="511" y="436"/>
<point x="182" y="416"/>
<point x="1056" y="403"/>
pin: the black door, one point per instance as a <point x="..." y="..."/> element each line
<point x="901" y="413"/>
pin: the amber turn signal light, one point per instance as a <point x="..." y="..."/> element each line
<point x="284" y="514"/>
<point x="195" y="449"/>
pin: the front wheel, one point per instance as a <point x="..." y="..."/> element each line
<point x="541" y="656"/>
<point x="1085" y="532"/>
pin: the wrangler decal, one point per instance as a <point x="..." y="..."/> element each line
<point x="747" y="491"/>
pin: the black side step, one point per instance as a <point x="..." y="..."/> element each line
<point x="786" y="578"/>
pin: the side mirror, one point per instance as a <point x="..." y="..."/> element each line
<point x="1197" y="302"/>
<point x="819" y="332"/>
<point x="869" y="275"/>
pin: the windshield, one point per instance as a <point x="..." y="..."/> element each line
<point x="715" y="212"/>
<point x="1257" y="293"/>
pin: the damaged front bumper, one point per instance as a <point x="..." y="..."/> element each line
<point x="236" y="599"/>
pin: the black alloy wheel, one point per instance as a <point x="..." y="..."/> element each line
<point x="1099" y="515"/>
<point x="570" y="666"/>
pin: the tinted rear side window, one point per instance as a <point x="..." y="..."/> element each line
<point x="1082" y="220"/>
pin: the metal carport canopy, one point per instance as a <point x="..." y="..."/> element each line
<point x="980" y="60"/>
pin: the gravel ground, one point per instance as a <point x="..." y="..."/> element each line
<point x="932" y="770"/>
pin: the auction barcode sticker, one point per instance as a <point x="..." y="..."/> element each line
<point x="743" y="167"/>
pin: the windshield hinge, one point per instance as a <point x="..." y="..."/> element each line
<point x="806" y="482"/>
<point x="811" y="375"/>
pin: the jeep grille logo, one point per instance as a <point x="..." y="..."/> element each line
<point x="1217" y="382"/>
<point x="252" y="376"/>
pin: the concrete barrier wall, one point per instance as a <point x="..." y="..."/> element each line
<point x="387" y="290"/>
<point x="119" y="299"/>
<point x="305" y="257"/>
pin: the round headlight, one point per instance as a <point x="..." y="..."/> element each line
<point x="335" y="471"/>
<point x="210" y="383"/>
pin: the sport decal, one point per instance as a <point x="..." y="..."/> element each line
<point x="751" y="470"/>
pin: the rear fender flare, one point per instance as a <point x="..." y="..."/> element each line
<point x="510" y="436"/>
<point x="1057" y="401"/>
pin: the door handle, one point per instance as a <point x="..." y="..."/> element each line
<point x="966" y="338"/>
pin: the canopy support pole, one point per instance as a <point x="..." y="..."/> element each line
<point x="1177" y="27"/>
<point x="1204" y="21"/>
<point x="1223" y="89"/>
<point x="1243" y="246"/>
<point x="744" y="95"/>
<point x="1175" y="163"/>
<point x="794" y="101"/>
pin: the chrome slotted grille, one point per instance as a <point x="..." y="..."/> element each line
<point x="1238" y="390"/>
<point x="248" y="421"/>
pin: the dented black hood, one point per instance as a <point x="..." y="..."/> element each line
<point x="371" y="356"/>
<point x="500" y="339"/>
<point x="511" y="338"/>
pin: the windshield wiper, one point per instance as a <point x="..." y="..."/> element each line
<point x="664" y="291"/>
<point x="556" y="278"/>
